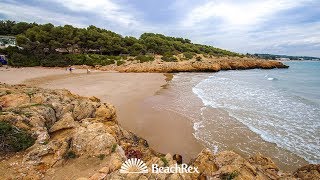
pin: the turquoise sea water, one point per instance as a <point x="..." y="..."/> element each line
<point x="280" y="105"/>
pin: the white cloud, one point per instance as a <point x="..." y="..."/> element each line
<point x="233" y="13"/>
<point x="237" y="25"/>
<point x="19" y="12"/>
<point x="107" y="9"/>
<point x="279" y="40"/>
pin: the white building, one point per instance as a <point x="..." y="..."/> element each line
<point x="6" y="41"/>
<point x="283" y="59"/>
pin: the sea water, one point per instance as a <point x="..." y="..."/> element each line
<point x="282" y="106"/>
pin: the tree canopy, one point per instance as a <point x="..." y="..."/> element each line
<point x="44" y="39"/>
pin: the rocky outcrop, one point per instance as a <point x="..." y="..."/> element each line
<point x="71" y="130"/>
<point x="311" y="172"/>
<point x="212" y="64"/>
<point x="92" y="138"/>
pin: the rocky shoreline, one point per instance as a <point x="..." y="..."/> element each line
<point x="69" y="130"/>
<point x="194" y="65"/>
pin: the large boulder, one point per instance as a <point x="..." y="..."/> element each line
<point x="311" y="172"/>
<point x="205" y="163"/>
<point x="83" y="109"/>
<point x="66" y="122"/>
<point x="45" y="112"/>
<point x="48" y="153"/>
<point x="106" y="112"/>
<point x="92" y="139"/>
<point x="231" y="165"/>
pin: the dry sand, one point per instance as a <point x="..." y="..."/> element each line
<point x="166" y="131"/>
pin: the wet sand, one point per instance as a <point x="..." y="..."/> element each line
<point x="215" y="127"/>
<point x="166" y="131"/>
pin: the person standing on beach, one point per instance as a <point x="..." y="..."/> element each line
<point x="70" y="69"/>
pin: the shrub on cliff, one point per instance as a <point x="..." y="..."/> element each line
<point x="189" y="55"/>
<point x="13" y="139"/>
<point x="144" y="58"/>
<point x="69" y="155"/>
<point x="169" y="58"/>
<point x="198" y="58"/>
<point x="120" y="62"/>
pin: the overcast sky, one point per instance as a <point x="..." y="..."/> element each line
<point x="255" y="26"/>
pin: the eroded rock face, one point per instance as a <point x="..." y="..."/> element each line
<point x="205" y="163"/>
<point x="69" y="129"/>
<point x="65" y="122"/>
<point x="93" y="139"/>
<point x="311" y="172"/>
<point x="106" y="112"/>
<point x="14" y="100"/>
<point x="83" y="109"/>
<point x="212" y="64"/>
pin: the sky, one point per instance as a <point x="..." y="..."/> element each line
<point x="290" y="27"/>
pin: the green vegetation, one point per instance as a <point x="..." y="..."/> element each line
<point x="165" y="161"/>
<point x="189" y="55"/>
<point x="144" y="58"/>
<point x="274" y="56"/>
<point x="169" y="58"/>
<point x="229" y="176"/>
<point x="114" y="147"/>
<point x="101" y="156"/>
<point x="49" y="45"/>
<point x="13" y="139"/>
<point x="120" y="62"/>
<point x="70" y="155"/>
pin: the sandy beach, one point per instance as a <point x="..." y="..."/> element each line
<point x="166" y="131"/>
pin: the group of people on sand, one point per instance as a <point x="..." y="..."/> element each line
<point x="70" y="69"/>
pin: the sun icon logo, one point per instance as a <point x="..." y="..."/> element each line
<point x="134" y="165"/>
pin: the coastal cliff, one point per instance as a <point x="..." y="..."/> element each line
<point x="54" y="134"/>
<point x="199" y="64"/>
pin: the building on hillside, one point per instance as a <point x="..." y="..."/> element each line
<point x="283" y="59"/>
<point x="6" y="41"/>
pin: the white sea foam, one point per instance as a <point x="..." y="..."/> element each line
<point x="277" y="115"/>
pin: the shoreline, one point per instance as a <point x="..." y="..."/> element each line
<point x="134" y="110"/>
<point x="96" y="146"/>
<point x="216" y="128"/>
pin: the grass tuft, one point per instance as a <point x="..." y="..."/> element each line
<point x="101" y="156"/>
<point x="114" y="147"/>
<point x="165" y="161"/>
<point x="13" y="139"/>
<point x="229" y="176"/>
<point x="70" y="155"/>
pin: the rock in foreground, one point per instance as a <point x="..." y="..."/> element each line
<point x="79" y="138"/>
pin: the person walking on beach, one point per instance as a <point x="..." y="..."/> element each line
<point x="70" y="69"/>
